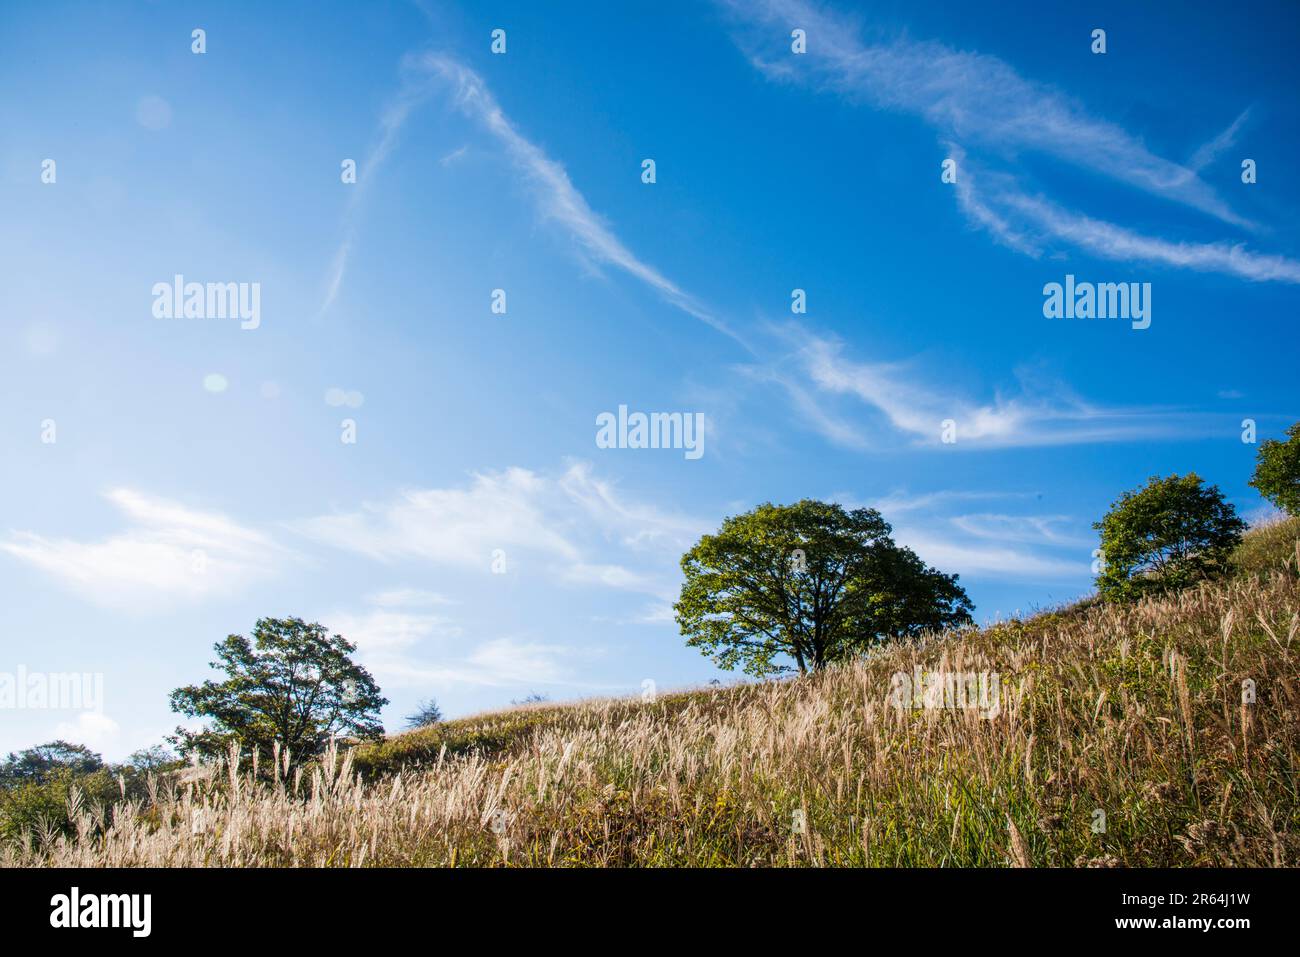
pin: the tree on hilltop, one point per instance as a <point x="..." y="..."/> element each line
<point x="810" y="582"/>
<point x="1169" y="533"/>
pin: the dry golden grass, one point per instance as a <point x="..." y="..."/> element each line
<point x="1134" y="711"/>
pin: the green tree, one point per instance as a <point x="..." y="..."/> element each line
<point x="151" y="759"/>
<point x="1277" y="471"/>
<point x="1169" y="533"/>
<point x="426" y="714"/>
<point x="809" y="582"/>
<point x="45" y="760"/>
<point x="293" y="683"/>
<point x="40" y="786"/>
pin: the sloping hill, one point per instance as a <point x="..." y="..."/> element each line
<point x="1164" y="733"/>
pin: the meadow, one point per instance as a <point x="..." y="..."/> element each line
<point x="1162" y="733"/>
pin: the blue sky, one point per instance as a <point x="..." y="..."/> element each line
<point x="197" y="479"/>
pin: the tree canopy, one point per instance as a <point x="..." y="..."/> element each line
<point x="1169" y="533"/>
<point x="810" y="582"/>
<point x="294" y="683"/>
<point x="38" y="763"/>
<point x="1277" y="471"/>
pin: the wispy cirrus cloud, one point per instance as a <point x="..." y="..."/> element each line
<point x="391" y="121"/>
<point x="1109" y="241"/>
<point x="559" y="200"/>
<point x="1211" y="150"/>
<point x="985" y="561"/>
<point x="901" y="501"/>
<point x="573" y="526"/>
<point x="1000" y="546"/>
<point x="169" y="553"/>
<point x="972" y="97"/>
<point x="996" y="203"/>
<point x="979" y="101"/>
<point x="898" y="400"/>
<point x="986" y="215"/>
<point x="452" y="526"/>
<point x="1047" y="529"/>
<point x="406" y="645"/>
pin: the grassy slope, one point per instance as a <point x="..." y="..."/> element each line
<point x="1135" y="711"/>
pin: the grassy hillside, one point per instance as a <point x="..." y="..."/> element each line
<point x="1133" y="711"/>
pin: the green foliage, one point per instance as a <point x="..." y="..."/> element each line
<point x="294" y="684"/>
<point x="34" y="807"/>
<point x="39" y="785"/>
<point x="1277" y="471"/>
<point x="155" y="758"/>
<point x="38" y="763"/>
<point x="1168" y="534"/>
<point x="809" y="581"/>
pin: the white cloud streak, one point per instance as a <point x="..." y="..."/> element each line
<point x="985" y="546"/>
<point x="559" y="200"/>
<point x="972" y="97"/>
<point x="573" y="527"/>
<point x="982" y="101"/>
<point x="391" y="121"/>
<point x="457" y="526"/>
<point x="1109" y="241"/>
<point x="1208" y="152"/>
<point x="1048" y="415"/>
<point x="982" y="561"/>
<point x="409" y="647"/>
<point x="169" y="554"/>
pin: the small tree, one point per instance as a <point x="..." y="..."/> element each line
<point x="1277" y="471"/>
<point x="810" y="582"/>
<point x="426" y="714"/>
<point x="1169" y="533"/>
<point x="293" y="683"/>
<point x="153" y="758"/>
